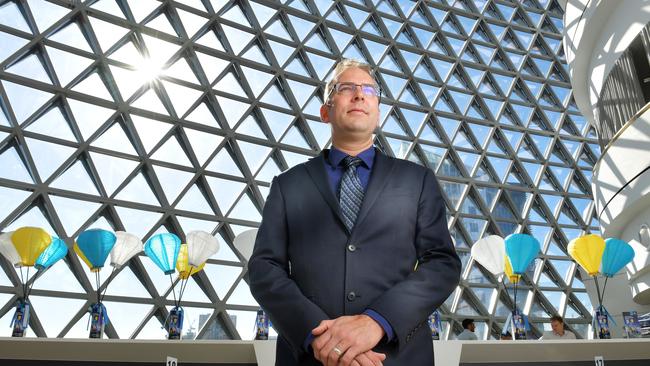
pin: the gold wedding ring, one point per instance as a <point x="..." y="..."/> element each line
<point x="337" y="351"/>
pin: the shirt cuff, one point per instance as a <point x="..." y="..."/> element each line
<point x="382" y="322"/>
<point x="308" y="340"/>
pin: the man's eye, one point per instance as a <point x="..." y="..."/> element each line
<point x="345" y="87"/>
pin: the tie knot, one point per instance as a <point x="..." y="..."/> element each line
<point x="351" y="161"/>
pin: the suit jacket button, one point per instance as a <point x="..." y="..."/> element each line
<point x="352" y="296"/>
<point x="352" y="247"/>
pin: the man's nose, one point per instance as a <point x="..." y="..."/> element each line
<point x="358" y="93"/>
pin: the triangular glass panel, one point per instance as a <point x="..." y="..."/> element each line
<point x="182" y="71"/>
<point x="76" y="179"/>
<point x="30" y="67"/>
<point x="449" y="168"/>
<point x="172" y="152"/>
<point x="476" y="276"/>
<point x="224" y="164"/>
<point x="138" y="190"/>
<point x="262" y="13"/>
<point x="321" y="64"/>
<point x="278" y="29"/>
<point x="257" y="80"/>
<point x="143" y="8"/>
<point x="24" y="100"/>
<point x="281" y="51"/>
<point x="301" y="91"/>
<point x="93" y="85"/>
<point x="67" y="65"/>
<point x="470" y="207"/>
<point x="115" y="139"/>
<point x="161" y="24"/>
<point x="172" y="181"/>
<point x="47" y="156"/>
<point x="194" y="200"/>
<point x="488" y="194"/>
<point x="138" y="222"/>
<point x="225" y="191"/>
<point x="213" y="66"/>
<point x="150" y="101"/>
<point x="274" y="96"/>
<point x="400" y="148"/>
<point x="301" y="26"/>
<point x="57" y="310"/>
<point x="73" y="213"/>
<point x="295" y="137"/>
<point x="181" y="97"/>
<point x="245" y="210"/>
<point x="72" y="36"/>
<point x="126" y="317"/>
<point x="108" y="6"/>
<point x="232" y="109"/>
<point x="10" y="199"/>
<point x="112" y="170"/>
<point x="464" y="308"/>
<point x="433" y="155"/>
<point x="191" y="22"/>
<point x="53" y="124"/>
<point x="254" y="154"/>
<point x="321" y="132"/>
<point x="210" y="40"/>
<point x="503" y="211"/>
<point x="203" y="143"/>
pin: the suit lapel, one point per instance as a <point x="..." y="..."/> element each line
<point x="316" y="169"/>
<point x="381" y="171"/>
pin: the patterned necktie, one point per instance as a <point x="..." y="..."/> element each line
<point x="350" y="191"/>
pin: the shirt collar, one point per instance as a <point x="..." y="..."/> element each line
<point x="335" y="156"/>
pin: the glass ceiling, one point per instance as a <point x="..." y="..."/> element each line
<point x="173" y="116"/>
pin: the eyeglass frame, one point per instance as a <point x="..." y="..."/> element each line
<point x="375" y="85"/>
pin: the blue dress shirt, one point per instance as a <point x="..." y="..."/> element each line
<point x="335" y="170"/>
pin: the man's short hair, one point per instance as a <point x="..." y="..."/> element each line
<point x="467" y="322"/>
<point x="557" y="318"/>
<point x="342" y="66"/>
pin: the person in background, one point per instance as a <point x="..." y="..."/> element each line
<point x="468" y="331"/>
<point x="558" y="332"/>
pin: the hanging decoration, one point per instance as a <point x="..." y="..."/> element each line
<point x="24" y="248"/>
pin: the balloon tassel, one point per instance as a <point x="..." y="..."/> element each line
<point x="515" y="296"/>
<point x="108" y="282"/>
<point x="22" y="281"/>
<point x="600" y="301"/>
<point x="604" y="286"/>
<point x="184" y="285"/>
<point x="173" y="290"/>
<point x="31" y="286"/>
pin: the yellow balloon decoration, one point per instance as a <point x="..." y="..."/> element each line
<point x="81" y="255"/>
<point x="30" y="242"/>
<point x="514" y="278"/>
<point x="588" y="251"/>
<point x="182" y="265"/>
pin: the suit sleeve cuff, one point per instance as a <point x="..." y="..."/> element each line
<point x="382" y="322"/>
<point x="308" y="340"/>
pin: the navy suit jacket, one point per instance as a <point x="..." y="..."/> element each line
<point x="398" y="260"/>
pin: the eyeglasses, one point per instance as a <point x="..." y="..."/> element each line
<point x="369" y="90"/>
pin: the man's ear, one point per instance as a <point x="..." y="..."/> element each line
<point x="325" y="113"/>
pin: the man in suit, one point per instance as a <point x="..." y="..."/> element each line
<point x="353" y="252"/>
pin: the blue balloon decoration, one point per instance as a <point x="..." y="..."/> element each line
<point x="163" y="250"/>
<point x="55" y="251"/>
<point x="617" y="255"/>
<point x="96" y="245"/>
<point x="521" y="249"/>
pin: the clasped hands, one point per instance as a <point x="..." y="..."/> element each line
<point x="348" y="341"/>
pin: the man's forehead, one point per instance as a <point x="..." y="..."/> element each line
<point x="355" y="74"/>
